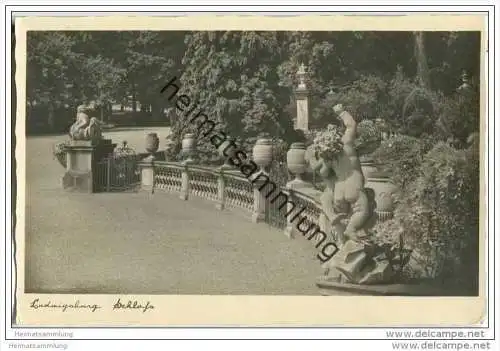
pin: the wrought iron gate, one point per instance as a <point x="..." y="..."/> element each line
<point x="118" y="171"/>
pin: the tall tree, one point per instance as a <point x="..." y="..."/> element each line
<point x="51" y="66"/>
<point x="234" y="77"/>
<point x="421" y="57"/>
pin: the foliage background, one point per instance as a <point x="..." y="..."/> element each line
<point x="246" y="81"/>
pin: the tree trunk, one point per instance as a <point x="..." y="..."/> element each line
<point x="421" y="58"/>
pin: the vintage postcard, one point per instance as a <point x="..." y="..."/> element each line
<point x="256" y="170"/>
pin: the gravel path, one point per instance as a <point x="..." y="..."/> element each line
<point x="138" y="243"/>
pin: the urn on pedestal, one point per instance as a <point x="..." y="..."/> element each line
<point x="384" y="196"/>
<point x="296" y="161"/>
<point x="263" y="152"/>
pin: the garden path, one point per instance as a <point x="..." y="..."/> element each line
<point x="141" y="243"/>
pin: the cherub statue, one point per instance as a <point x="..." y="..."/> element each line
<point x="345" y="202"/>
<point x="93" y="131"/>
<point x="341" y="171"/>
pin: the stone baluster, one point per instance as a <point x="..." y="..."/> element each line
<point x="221" y="189"/>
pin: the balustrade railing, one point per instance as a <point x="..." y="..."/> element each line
<point x="238" y="192"/>
<point x="168" y="176"/>
<point x="229" y="188"/>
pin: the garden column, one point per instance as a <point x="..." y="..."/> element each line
<point x="221" y="185"/>
<point x="301" y="96"/>
<point x="185" y="181"/>
<point x="259" y="198"/>
<point x="147" y="174"/>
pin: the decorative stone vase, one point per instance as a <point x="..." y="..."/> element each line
<point x="384" y="191"/>
<point x="152" y="143"/>
<point x="263" y="152"/>
<point x="296" y="160"/>
<point x="188" y="145"/>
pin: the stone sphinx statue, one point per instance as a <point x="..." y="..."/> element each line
<point x="347" y="208"/>
<point x="85" y="128"/>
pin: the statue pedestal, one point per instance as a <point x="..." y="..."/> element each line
<point x="82" y="158"/>
<point x="330" y="286"/>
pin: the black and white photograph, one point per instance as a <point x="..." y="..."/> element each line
<point x="311" y="163"/>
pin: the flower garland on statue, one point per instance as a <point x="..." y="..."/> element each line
<point x="328" y="143"/>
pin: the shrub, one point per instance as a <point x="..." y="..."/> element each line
<point x="60" y="153"/>
<point x="459" y="117"/>
<point x="449" y="188"/>
<point x="369" y="136"/>
<point x="411" y="108"/>
<point x="365" y="98"/>
<point x="438" y="215"/>
<point x="401" y="156"/>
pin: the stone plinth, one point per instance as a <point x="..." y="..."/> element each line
<point x="81" y="169"/>
<point x="330" y="286"/>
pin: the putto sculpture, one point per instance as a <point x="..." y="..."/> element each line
<point x="340" y="167"/>
<point x="347" y="206"/>
<point x="85" y="128"/>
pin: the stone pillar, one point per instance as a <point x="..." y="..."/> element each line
<point x="185" y="182"/>
<point x="301" y="96"/>
<point x="294" y="211"/>
<point x="260" y="201"/>
<point x="221" y="185"/>
<point x="147" y="174"/>
<point x="82" y="161"/>
<point x="290" y="229"/>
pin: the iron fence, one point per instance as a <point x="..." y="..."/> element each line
<point x="118" y="171"/>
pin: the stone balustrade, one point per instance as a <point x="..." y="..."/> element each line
<point x="227" y="187"/>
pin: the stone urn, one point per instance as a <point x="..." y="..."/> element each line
<point x="152" y="143"/>
<point x="263" y="152"/>
<point x="384" y="196"/>
<point x="296" y="160"/>
<point x="188" y="145"/>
